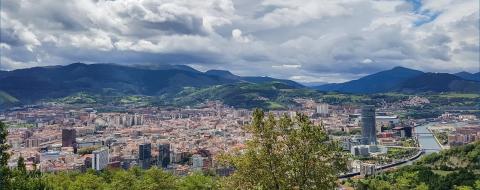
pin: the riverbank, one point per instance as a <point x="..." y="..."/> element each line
<point x="387" y="166"/>
<point x="436" y="139"/>
<point x="427" y="140"/>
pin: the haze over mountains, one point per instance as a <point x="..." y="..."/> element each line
<point x="229" y="75"/>
<point x="33" y="84"/>
<point x="468" y="76"/>
<point x="400" y="79"/>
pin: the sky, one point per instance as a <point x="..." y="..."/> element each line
<point x="302" y="40"/>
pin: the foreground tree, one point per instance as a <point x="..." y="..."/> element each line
<point x="155" y="178"/>
<point x="4" y="156"/>
<point x="87" y="181"/>
<point x="122" y="180"/>
<point x="21" y="165"/>
<point x="285" y="154"/>
<point x="197" y="181"/>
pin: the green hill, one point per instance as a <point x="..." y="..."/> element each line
<point x="273" y="95"/>
<point x="400" y="79"/>
<point x="467" y="156"/>
<point x="7" y="99"/>
<point x="456" y="168"/>
<point x="269" y="96"/>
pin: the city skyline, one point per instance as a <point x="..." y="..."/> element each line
<point x="240" y="94"/>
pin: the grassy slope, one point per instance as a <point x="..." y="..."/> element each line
<point x="244" y="95"/>
<point x="446" y="170"/>
<point x="267" y="96"/>
<point x="467" y="156"/>
<point x="7" y="99"/>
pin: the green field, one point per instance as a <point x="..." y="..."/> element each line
<point x="271" y="96"/>
<point x="459" y="95"/>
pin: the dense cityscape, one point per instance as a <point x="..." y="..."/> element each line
<point x="55" y="137"/>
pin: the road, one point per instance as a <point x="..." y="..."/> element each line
<point x="427" y="143"/>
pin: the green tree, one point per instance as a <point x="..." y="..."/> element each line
<point x="463" y="188"/>
<point x="422" y="186"/>
<point x="380" y="185"/>
<point x="122" y="180"/>
<point x="21" y="165"/>
<point x="155" y="178"/>
<point x="59" y="181"/>
<point x="197" y="181"/>
<point x="87" y="181"/>
<point x="406" y="181"/>
<point x="4" y="156"/>
<point x="285" y="154"/>
<point x="21" y="179"/>
<point x="477" y="185"/>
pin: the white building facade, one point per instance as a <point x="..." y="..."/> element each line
<point x="100" y="159"/>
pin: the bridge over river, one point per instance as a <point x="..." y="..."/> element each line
<point x="428" y="145"/>
<point x="426" y="139"/>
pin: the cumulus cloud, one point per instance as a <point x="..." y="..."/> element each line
<point x="239" y="37"/>
<point x="308" y="41"/>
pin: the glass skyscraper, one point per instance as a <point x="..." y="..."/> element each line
<point x="369" y="134"/>
<point x="145" y="155"/>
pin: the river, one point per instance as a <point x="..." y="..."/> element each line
<point x="427" y="141"/>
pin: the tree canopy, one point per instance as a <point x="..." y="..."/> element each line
<point x="285" y="153"/>
<point x="4" y="156"/>
<point x="455" y="168"/>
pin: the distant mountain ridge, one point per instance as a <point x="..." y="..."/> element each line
<point x="229" y="75"/>
<point x="469" y="76"/>
<point x="400" y="79"/>
<point x="439" y="82"/>
<point x="32" y="84"/>
<point x="379" y="82"/>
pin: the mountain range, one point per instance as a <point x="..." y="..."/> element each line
<point x="258" y="80"/>
<point x="469" y="76"/>
<point x="401" y="79"/>
<point x="33" y="84"/>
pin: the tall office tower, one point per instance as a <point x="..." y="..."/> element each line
<point x="100" y="159"/>
<point x="369" y="134"/>
<point x="145" y="155"/>
<point x="163" y="155"/>
<point x="68" y="137"/>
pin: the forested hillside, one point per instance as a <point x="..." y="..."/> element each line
<point x="457" y="168"/>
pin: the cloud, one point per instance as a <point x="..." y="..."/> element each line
<point x="239" y="37"/>
<point x="366" y="61"/>
<point x="308" y="41"/>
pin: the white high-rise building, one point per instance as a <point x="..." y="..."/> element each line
<point x="100" y="159"/>
<point x="322" y="109"/>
